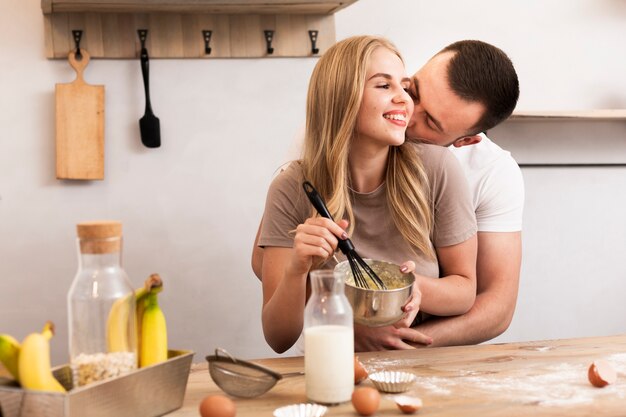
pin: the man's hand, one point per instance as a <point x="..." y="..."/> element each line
<point x="367" y="339"/>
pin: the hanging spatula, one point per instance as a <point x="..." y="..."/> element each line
<point x="149" y="124"/>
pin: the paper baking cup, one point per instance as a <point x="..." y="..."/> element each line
<point x="392" y="381"/>
<point x="301" y="410"/>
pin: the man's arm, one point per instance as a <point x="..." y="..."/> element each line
<point x="498" y="271"/>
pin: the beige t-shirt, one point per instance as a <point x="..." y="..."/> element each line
<point x="375" y="235"/>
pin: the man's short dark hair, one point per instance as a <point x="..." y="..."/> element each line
<point x="484" y="73"/>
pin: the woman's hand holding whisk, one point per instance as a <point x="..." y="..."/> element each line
<point x="315" y="241"/>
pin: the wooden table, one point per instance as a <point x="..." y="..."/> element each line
<point x="547" y="378"/>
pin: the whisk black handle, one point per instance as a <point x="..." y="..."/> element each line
<point x="315" y="198"/>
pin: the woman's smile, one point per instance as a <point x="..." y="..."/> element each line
<point x="397" y="117"/>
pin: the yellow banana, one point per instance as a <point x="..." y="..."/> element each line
<point x="117" y="325"/>
<point x="117" y="321"/>
<point x="9" y="354"/>
<point x="34" y="362"/>
<point x="153" y="333"/>
<point x="153" y="284"/>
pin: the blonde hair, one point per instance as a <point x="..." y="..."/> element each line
<point x="333" y="103"/>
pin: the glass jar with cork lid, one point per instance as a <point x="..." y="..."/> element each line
<point x="101" y="307"/>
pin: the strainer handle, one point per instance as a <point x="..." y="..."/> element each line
<point x="289" y="374"/>
<point x="230" y="357"/>
<point x="224" y="352"/>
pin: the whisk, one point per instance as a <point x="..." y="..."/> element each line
<point x="361" y="271"/>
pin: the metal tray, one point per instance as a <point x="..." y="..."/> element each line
<point x="147" y="392"/>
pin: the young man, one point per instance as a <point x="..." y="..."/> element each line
<point x="465" y="89"/>
<point x="468" y="88"/>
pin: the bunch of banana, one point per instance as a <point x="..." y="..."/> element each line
<point x="33" y="362"/>
<point x="151" y="337"/>
<point x="117" y="322"/>
<point x="9" y="353"/>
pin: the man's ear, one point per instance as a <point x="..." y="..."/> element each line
<point x="467" y="140"/>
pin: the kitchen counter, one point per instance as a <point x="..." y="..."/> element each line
<point x="546" y="378"/>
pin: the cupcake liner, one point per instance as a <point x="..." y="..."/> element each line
<point x="393" y="381"/>
<point x="301" y="410"/>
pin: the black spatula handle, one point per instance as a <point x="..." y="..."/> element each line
<point x="145" y="71"/>
<point x="315" y="198"/>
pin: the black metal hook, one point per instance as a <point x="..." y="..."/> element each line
<point x="269" y="37"/>
<point x="313" y="37"/>
<point x="206" y="34"/>
<point x="143" y="34"/>
<point x="78" y="34"/>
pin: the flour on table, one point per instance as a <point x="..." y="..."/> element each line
<point x="559" y="384"/>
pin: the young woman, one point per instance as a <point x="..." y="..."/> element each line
<point x="401" y="202"/>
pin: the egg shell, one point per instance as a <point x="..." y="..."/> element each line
<point x="360" y="373"/>
<point x="601" y="373"/>
<point x="408" y="405"/>
<point x="217" y="406"/>
<point x="365" y="400"/>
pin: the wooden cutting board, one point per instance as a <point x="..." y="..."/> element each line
<point x="79" y="126"/>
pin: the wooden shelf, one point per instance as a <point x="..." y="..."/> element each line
<point x="605" y="114"/>
<point x="196" y="6"/>
<point x="175" y="27"/>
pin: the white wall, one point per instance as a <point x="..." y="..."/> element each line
<point x="190" y="208"/>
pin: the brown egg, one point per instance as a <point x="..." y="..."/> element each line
<point x="217" y="406"/>
<point x="365" y="400"/>
<point x="360" y="373"/>
<point x="601" y="373"/>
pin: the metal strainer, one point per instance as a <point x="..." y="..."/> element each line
<point x="241" y="378"/>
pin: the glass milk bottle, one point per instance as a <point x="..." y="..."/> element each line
<point x="101" y="307"/>
<point x="328" y="341"/>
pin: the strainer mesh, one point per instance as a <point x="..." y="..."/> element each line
<point x="240" y="380"/>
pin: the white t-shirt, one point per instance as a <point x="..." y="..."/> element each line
<point x="496" y="185"/>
